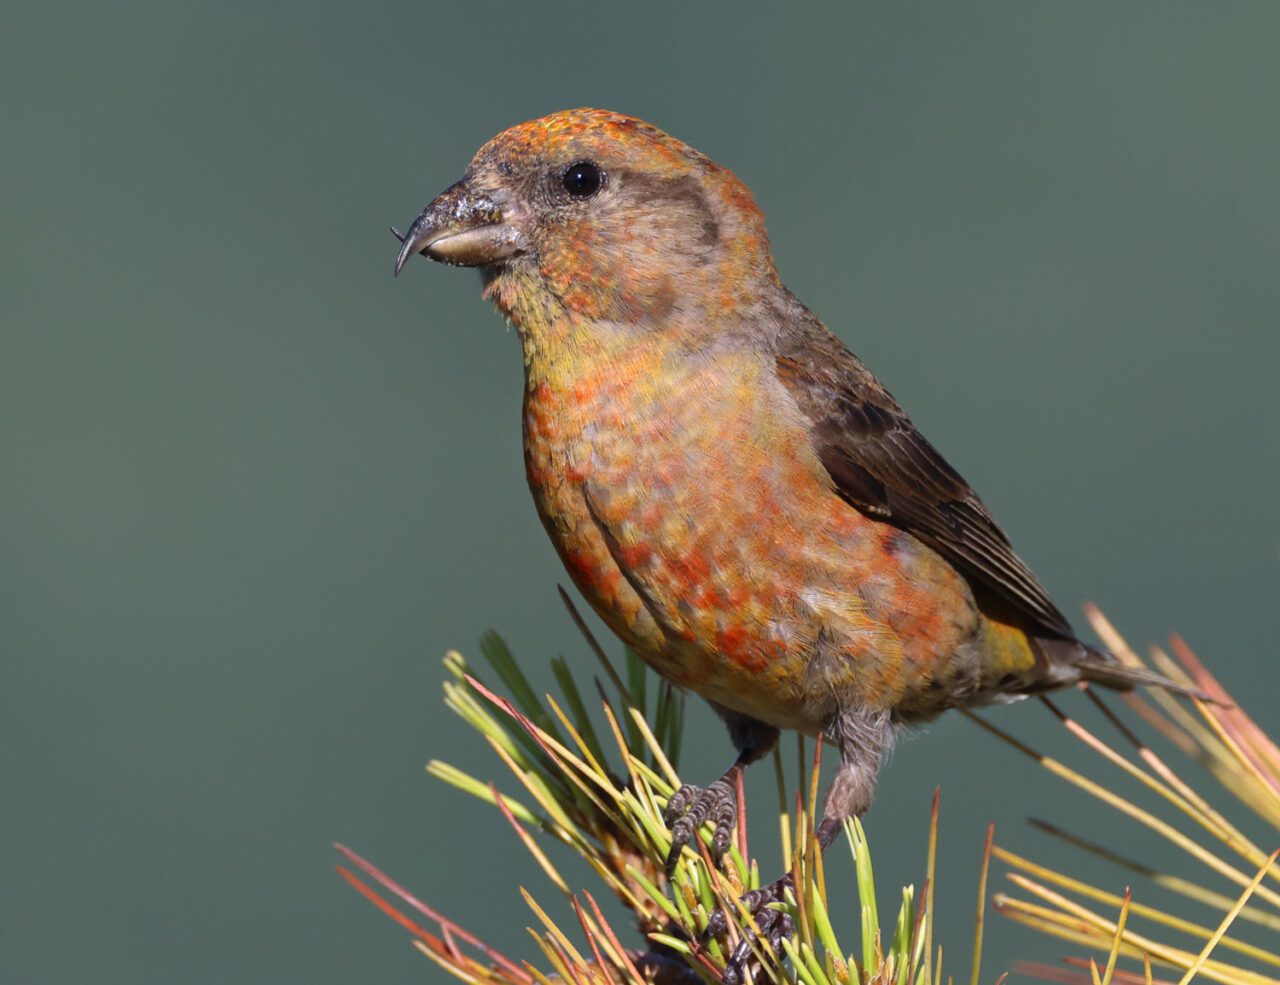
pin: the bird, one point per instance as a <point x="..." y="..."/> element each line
<point x="730" y="488"/>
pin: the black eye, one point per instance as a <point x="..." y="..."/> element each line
<point x="582" y="180"/>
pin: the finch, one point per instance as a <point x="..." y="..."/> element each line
<point x="731" y="490"/>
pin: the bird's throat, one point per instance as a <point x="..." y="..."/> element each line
<point x="560" y="345"/>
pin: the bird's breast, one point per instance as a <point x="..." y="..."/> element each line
<point x="688" y="506"/>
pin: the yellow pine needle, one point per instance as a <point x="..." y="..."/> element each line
<point x="559" y="959"/>
<point x="1209" y="822"/>
<point x="1058" y="924"/>
<point x="462" y="702"/>
<point x="545" y="799"/>
<point x="560" y="754"/>
<point x="1174" y="884"/>
<point x="1096" y="931"/>
<point x="1117" y="645"/>
<point x="931" y="868"/>
<point x="495" y="650"/>
<point x="1144" y="817"/>
<point x="645" y="825"/>
<point x="656" y="782"/>
<point x="1203" y="956"/>
<point x="1115" y="941"/>
<point x="1157" y="765"/>
<point x="594" y="940"/>
<point x="1080" y="913"/>
<point x="918" y="958"/>
<point x="623" y="748"/>
<point x="1259" y="743"/>
<point x="1242" y="760"/>
<point x="621" y="953"/>
<point x="1155" y="718"/>
<point x="617" y="885"/>
<point x="648" y="829"/>
<point x="539" y="976"/>
<point x="982" y="903"/>
<point x="455" y="663"/>
<point x="784" y="815"/>
<point x="801" y="762"/>
<point x="455" y="969"/>
<point x="815" y="778"/>
<point x="1138" y="909"/>
<point x="800" y="869"/>
<point x="588" y="754"/>
<point x="1268" y="753"/>
<point x="552" y="927"/>
<point x="659" y="756"/>
<point x="530" y="845"/>
<point x="1218" y="755"/>
<point x="591" y="784"/>
<point x="645" y="802"/>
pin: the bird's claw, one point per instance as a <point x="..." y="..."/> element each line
<point x="772" y="927"/>
<point x="687" y="810"/>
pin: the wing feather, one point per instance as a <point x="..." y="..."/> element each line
<point x="882" y="466"/>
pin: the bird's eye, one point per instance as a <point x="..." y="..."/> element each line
<point x="582" y="180"/>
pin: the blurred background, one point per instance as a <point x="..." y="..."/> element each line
<point x="254" y="488"/>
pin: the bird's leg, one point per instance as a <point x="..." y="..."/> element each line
<point x="690" y="806"/>
<point x="863" y="736"/>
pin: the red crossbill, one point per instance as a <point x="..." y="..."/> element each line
<point x="734" y="493"/>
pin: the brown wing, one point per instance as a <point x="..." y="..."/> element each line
<point x="885" y="468"/>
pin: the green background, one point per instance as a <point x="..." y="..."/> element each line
<point x="253" y="488"/>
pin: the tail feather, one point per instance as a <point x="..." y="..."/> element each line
<point x="1069" y="661"/>
<point x="1017" y="663"/>
<point x="1100" y="668"/>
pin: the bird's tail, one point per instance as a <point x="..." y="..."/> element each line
<point x="1098" y="667"/>
<point x="1018" y="663"/>
<point x="1102" y="668"/>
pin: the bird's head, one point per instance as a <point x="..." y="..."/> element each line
<point x="601" y="216"/>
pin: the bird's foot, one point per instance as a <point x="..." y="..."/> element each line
<point x="773" y="925"/>
<point x="691" y="806"/>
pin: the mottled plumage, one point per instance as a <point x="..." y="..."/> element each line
<point x="733" y="492"/>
